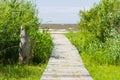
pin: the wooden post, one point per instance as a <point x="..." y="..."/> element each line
<point x="25" y="47"/>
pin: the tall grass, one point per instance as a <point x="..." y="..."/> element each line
<point x="43" y="47"/>
<point x="16" y="72"/>
<point x="98" y="40"/>
<point x="99" y="35"/>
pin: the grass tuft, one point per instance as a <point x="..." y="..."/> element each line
<point x="16" y="72"/>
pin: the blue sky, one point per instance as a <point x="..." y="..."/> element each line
<point x="62" y="11"/>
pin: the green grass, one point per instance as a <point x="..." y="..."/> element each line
<point x="101" y="72"/>
<point x="16" y="72"/>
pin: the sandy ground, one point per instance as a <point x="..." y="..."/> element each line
<point x="61" y="26"/>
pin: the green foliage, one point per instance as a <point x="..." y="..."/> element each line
<point x="101" y="72"/>
<point x="98" y="36"/>
<point x="16" y="72"/>
<point x="97" y="56"/>
<point x="42" y="48"/>
<point x="100" y="19"/>
<point x="13" y="15"/>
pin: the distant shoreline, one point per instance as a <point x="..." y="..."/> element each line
<point x="60" y="26"/>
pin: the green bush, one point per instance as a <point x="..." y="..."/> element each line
<point x="100" y="19"/>
<point x="42" y="48"/>
<point x="98" y="36"/>
<point x="13" y="15"/>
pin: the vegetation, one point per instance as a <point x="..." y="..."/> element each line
<point x="101" y="71"/>
<point x="15" y="14"/>
<point x="16" y="72"/>
<point x="98" y="40"/>
<point x="43" y="47"/>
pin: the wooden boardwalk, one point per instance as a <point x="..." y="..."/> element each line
<point x="65" y="62"/>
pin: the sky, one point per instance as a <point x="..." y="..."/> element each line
<point x="62" y="11"/>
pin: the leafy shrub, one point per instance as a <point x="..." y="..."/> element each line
<point x="13" y="15"/>
<point x="42" y="48"/>
<point x="100" y="19"/>
<point x="8" y="55"/>
<point x="98" y="36"/>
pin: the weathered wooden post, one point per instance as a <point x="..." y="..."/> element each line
<point x="25" y="47"/>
